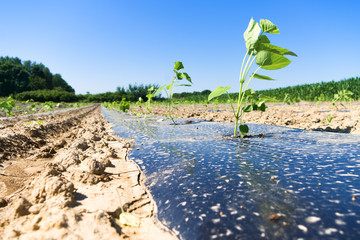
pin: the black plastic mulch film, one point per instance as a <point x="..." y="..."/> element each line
<point x="289" y="184"/>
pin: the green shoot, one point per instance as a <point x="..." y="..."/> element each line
<point x="169" y="89"/>
<point x="266" y="56"/>
<point x="149" y="96"/>
<point x="329" y="118"/>
<point x="342" y="95"/>
<point x="121" y="106"/>
<point x="7" y="106"/>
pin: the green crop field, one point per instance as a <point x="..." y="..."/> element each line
<point x="324" y="91"/>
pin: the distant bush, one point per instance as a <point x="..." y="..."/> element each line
<point x="18" y="76"/>
<point x="47" y="95"/>
<point x="132" y="93"/>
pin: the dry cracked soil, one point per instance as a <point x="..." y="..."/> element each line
<point x="67" y="176"/>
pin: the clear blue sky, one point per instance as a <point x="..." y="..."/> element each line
<point x="99" y="45"/>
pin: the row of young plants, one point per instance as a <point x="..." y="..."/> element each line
<point x="259" y="51"/>
<point x="266" y="56"/>
<point x="12" y="107"/>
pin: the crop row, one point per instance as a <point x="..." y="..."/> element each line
<point x="11" y="107"/>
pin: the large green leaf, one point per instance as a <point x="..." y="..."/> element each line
<point x="263" y="39"/>
<point x="251" y="34"/>
<point x="259" y="43"/>
<point x="159" y="90"/>
<point x="263" y="58"/>
<point x="268" y="27"/>
<point x="178" y="65"/>
<point x="218" y="92"/>
<point x="262" y="77"/>
<point x="276" y="49"/>
<point x="271" y="61"/>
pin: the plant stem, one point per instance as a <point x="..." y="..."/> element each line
<point x="170" y="98"/>
<point x="238" y="108"/>
<point x="241" y="95"/>
<point x="247" y="83"/>
<point x="242" y="65"/>
<point x="246" y="67"/>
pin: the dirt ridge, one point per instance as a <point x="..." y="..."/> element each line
<point x="61" y="179"/>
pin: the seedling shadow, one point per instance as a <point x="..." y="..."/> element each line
<point x="330" y="129"/>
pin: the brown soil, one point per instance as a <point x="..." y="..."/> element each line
<point x="343" y="118"/>
<point x="67" y="177"/>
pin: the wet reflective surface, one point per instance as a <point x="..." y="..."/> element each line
<point x="290" y="184"/>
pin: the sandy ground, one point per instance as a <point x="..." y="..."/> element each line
<point x="67" y="176"/>
<point x="344" y="118"/>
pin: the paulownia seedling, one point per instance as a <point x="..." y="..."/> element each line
<point x="266" y="56"/>
<point x="169" y="89"/>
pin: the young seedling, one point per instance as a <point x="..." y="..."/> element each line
<point x="329" y="118"/>
<point x="7" y="106"/>
<point x="169" y="89"/>
<point x="266" y="56"/>
<point x="342" y="95"/>
<point x="149" y="96"/>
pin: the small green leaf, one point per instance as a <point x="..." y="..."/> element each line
<point x="262" y="77"/>
<point x="249" y="92"/>
<point x="267" y="98"/>
<point x="218" y="92"/>
<point x="271" y="61"/>
<point x="170" y="85"/>
<point x="244" y="129"/>
<point x="251" y="34"/>
<point x="262" y="107"/>
<point x="158" y="91"/>
<point x="179" y="75"/>
<point x="129" y="219"/>
<point x="178" y="65"/>
<point x="268" y="27"/>
<point x="247" y="108"/>
<point x="254" y="106"/>
<point x="183" y="85"/>
<point x="186" y="76"/>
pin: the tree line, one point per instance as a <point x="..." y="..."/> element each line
<point x="131" y="93"/>
<point x="18" y="76"/>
